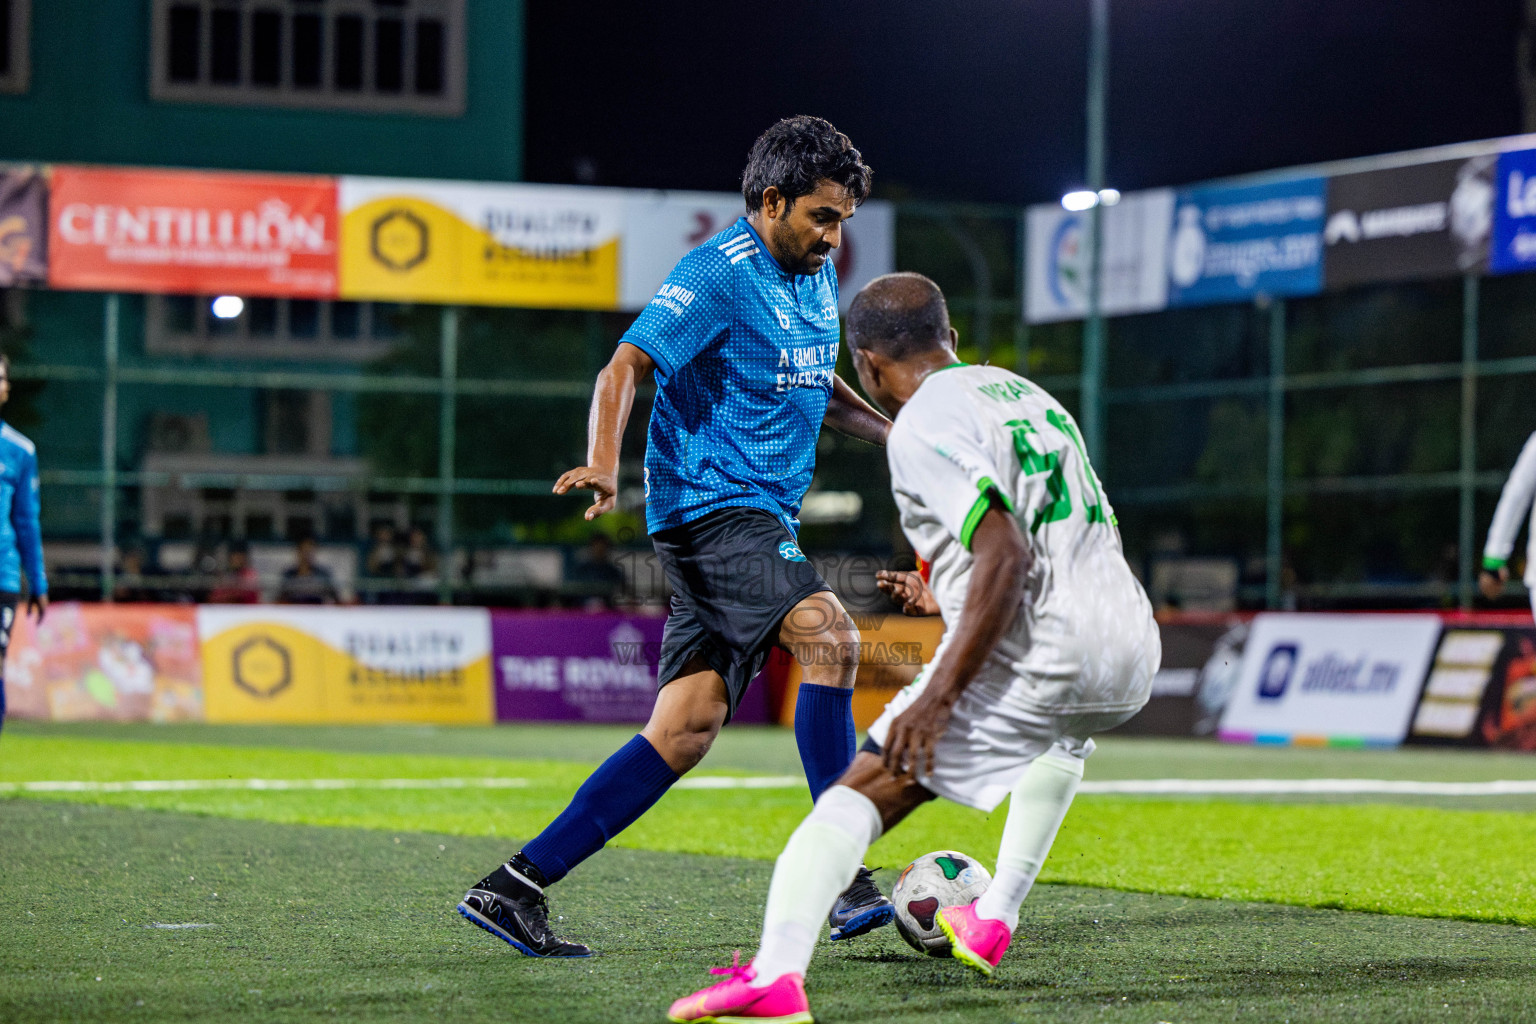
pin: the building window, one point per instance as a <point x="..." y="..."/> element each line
<point x="378" y="55"/>
<point x="272" y="328"/>
<point x="15" y="45"/>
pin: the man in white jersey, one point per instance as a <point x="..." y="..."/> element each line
<point x="1049" y="639"/>
<point x="1515" y="504"/>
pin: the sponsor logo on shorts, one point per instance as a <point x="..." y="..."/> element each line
<point x="790" y="552"/>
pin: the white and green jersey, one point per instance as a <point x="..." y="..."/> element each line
<point x="1515" y="503"/>
<point x="1085" y="639"/>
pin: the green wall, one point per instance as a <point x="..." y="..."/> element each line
<point x="89" y="102"/>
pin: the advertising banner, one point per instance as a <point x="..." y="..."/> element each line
<point x="587" y="667"/>
<point x="192" y="232"/>
<point x="1481" y="690"/>
<point x="662" y="227"/>
<point x="1202" y="656"/>
<point x="1514" y="213"/>
<point x="104" y="662"/>
<point x="1403" y="223"/>
<point x="1134" y="267"/>
<point x="1341" y="679"/>
<point x="23" y="227"/>
<point x="1232" y="243"/>
<point x="300" y="664"/>
<point x="487" y="244"/>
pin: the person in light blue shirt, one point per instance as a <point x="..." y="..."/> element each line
<point x="21" y="542"/>
<point x="742" y="339"/>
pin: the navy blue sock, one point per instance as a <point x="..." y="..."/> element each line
<point x="824" y="733"/>
<point x="624" y="787"/>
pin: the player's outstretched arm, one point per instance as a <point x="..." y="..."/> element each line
<point x="1002" y="561"/>
<point x="849" y="414"/>
<point x="612" y="400"/>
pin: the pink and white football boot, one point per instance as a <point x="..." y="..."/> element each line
<point x="979" y="942"/>
<point x="735" y="1001"/>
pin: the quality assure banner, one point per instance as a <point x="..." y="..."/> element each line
<point x="125" y="229"/>
<point x="301" y="664"/>
<point x="1340" y="679"/>
<point x="1403" y="223"/>
<point x="487" y="244"/>
<point x="1231" y="243"/>
<point x="1135" y="261"/>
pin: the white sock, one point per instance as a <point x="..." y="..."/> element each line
<point x="1036" y="808"/>
<point x="817" y="864"/>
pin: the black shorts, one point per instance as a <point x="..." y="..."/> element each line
<point x="8" y="602"/>
<point x="735" y="575"/>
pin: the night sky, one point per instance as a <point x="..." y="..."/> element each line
<point x="983" y="100"/>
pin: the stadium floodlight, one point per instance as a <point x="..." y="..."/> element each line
<point x="1080" y="200"/>
<point x="227" y="307"/>
<point x="1109" y="196"/>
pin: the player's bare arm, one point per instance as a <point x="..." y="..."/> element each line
<point x="908" y="590"/>
<point x="612" y="400"/>
<point x="1002" y="561"/>
<point x="849" y="414"/>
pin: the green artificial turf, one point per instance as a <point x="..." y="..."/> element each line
<point x="1377" y="857"/>
<point x="303" y="923"/>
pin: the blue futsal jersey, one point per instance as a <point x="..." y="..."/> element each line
<point x="745" y="355"/>
<point x="21" y="542"/>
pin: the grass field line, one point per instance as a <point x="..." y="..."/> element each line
<point x="1119" y="787"/>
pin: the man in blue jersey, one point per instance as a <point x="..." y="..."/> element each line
<point x="743" y="340"/>
<point x="21" y="542"/>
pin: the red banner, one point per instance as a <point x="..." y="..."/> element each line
<point x="116" y="662"/>
<point x="192" y="233"/>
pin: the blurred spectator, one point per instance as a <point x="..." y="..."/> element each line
<point x="132" y="584"/>
<point x="381" y="562"/>
<point x="595" y="576"/>
<point x="306" y="581"/>
<point x="418" y="560"/>
<point x="238" y="584"/>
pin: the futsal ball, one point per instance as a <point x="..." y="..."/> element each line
<point x="930" y="883"/>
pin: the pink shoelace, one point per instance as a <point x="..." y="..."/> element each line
<point x="737" y="971"/>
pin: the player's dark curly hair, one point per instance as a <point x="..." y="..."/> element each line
<point x="797" y="154"/>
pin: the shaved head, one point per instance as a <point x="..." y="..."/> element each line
<point x="899" y="316"/>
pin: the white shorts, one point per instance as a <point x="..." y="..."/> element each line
<point x="989" y="743"/>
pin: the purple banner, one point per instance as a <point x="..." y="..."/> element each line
<point x="581" y="666"/>
<point x="23" y="227"/>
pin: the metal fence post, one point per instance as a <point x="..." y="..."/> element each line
<point x="1466" y="536"/>
<point x="447" y="433"/>
<point x="1021" y="329"/>
<point x="1275" y="475"/>
<point x="113" y="308"/>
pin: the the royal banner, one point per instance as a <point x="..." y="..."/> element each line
<point x="1403" y="223"/>
<point x="192" y="232"/>
<point x="123" y="663"/>
<point x="23" y="227"/>
<point x="586" y="667"/>
<point x="1231" y="243"/>
<point x="545" y="246"/>
<point x="1135" y="262"/>
<point x="1330" y="679"/>
<point x="295" y="664"/>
